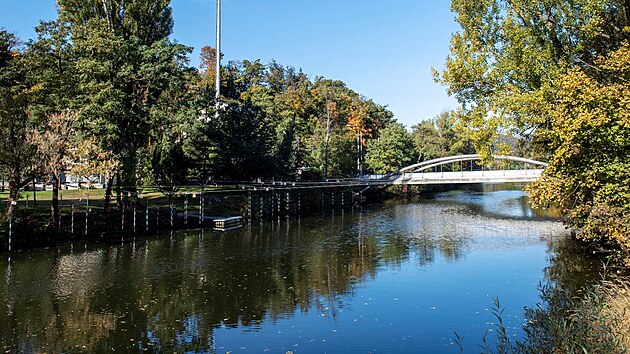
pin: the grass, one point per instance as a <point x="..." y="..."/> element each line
<point x="96" y="196"/>
<point x="66" y="194"/>
<point x="617" y="296"/>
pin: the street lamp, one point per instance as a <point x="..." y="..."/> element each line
<point x="217" y="97"/>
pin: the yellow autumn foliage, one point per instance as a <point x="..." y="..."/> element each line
<point x="589" y="134"/>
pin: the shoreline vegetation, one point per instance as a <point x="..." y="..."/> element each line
<point x="594" y="320"/>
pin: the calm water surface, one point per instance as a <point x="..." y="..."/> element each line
<point x="399" y="277"/>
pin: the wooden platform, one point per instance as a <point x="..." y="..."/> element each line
<point x="228" y="223"/>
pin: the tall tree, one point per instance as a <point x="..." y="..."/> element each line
<point x="332" y="101"/>
<point x="427" y="141"/>
<point x="588" y="176"/>
<point x="17" y="153"/>
<point x="126" y="62"/>
<point x="243" y="142"/>
<point x="207" y="64"/>
<point x="51" y="65"/>
<point x="507" y="58"/>
<point x="54" y="144"/>
<point x="146" y="21"/>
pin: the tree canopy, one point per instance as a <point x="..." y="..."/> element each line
<point x="392" y="151"/>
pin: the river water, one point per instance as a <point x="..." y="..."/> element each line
<point x="398" y="277"/>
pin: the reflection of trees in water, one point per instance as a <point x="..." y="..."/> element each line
<point x="570" y="267"/>
<point x="170" y="294"/>
<point x="496" y="200"/>
<point x="452" y="229"/>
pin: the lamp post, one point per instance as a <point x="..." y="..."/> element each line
<point x="218" y="63"/>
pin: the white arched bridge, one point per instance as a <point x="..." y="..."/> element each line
<point x="462" y="170"/>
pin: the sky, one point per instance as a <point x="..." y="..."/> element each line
<point x="383" y="50"/>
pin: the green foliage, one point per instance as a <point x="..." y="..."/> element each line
<point x="169" y="167"/>
<point x="146" y="117"/>
<point x="392" y="151"/>
<point x="428" y="141"/>
<point x="51" y="63"/>
<point x="320" y="125"/>
<point x="199" y="148"/>
<point x="147" y="21"/>
<point x="243" y="143"/>
<point x="126" y="67"/>
<point x="17" y="153"/>
<point x="589" y="171"/>
<point x="505" y="62"/>
<point x="440" y="138"/>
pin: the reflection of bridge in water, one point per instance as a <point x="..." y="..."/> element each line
<point x="425" y="172"/>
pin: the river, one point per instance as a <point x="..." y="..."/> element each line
<point x="397" y="277"/>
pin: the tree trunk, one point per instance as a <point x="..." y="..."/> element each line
<point x="108" y="194"/>
<point x="34" y="193"/>
<point x="129" y="162"/>
<point x="54" y="205"/>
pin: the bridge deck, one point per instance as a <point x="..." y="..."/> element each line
<point x="461" y="177"/>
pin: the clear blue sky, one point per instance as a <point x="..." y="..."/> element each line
<point x="381" y="49"/>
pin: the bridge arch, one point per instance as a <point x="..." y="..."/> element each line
<point x="421" y="166"/>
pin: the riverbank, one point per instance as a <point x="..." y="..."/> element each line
<point x="574" y="314"/>
<point x="84" y="216"/>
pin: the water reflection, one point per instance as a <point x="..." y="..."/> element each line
<point x="177" y="293"/>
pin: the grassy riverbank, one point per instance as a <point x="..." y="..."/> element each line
<point x="84" y="213"/>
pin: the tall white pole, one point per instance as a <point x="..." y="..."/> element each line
<point x="218" y="67"/>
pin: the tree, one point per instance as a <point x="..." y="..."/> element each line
<point x="506" y="60"/>
<point x="169" y="167"/>
<point x="440" y="137"/>
<point x="51" y="67"/>
<point x="392" y="151"/>
<point x="17" y="154"/>
<point x="54" y="144"/>
<point x="547" y="71"/>
<point x="427" y="141"/>
<point x="243" y="143"/>
<point x="51" y="62"/>
<point x="126" y="63"/>
<point x="207" y="64"/>
<point x="331" y="99"/>
<point x="588" y="175"/>
<point x="290" y="111"/>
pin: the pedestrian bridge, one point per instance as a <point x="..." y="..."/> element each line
<point x="461" y="169"/>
